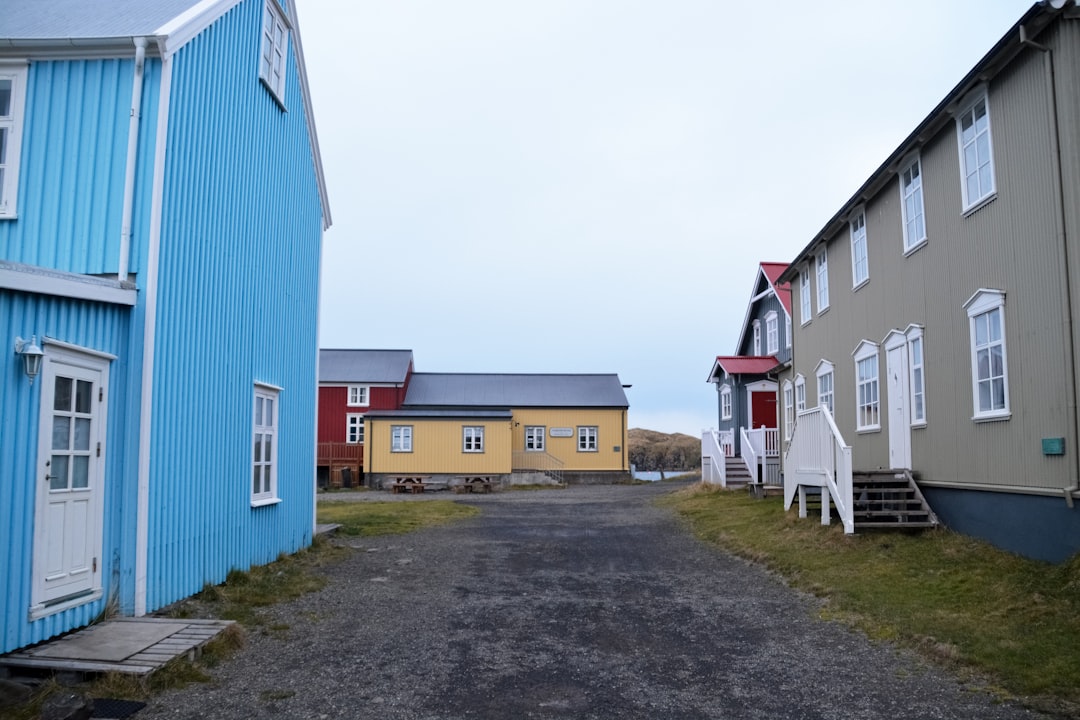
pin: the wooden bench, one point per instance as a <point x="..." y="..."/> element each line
<point x="409" y="485"/>
<point x="474" y="485"/>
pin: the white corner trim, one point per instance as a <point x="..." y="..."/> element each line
<point x="176" y="33"/>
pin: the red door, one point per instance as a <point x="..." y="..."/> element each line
<point x="763" y="408"/>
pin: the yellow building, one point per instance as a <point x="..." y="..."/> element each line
<point x="511" y="428"/>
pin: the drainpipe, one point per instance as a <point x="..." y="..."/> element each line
<point x="1066" y="267"/>
<point x="132" y="150"/>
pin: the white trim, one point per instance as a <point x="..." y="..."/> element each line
<point x="725" y="393"/>
<point x="864" y="351"/>
<point x="969" y="205"/>
<point x="823" y="368"/>
<point x="982" y="302"/>
<point x="18" y="72"/>
<point x="61" y="345"/>
<point x="177" y="32"/>
<point x="774" y="317"/>
<point x="800" y="384"/>
<point x="912" y="333"/>
<point x="821" y="270"/>
<point x="788" y="393"/>
<point x="806" y="295"/>
<point x="269" y="427"/>
<point x="43" y="281"/>
<point x="761" y="386"/>
<point x="142" y="506"/>
<point x="909" y="244"/>
<point x="856" y="235"/>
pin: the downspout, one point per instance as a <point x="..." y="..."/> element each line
<point x="1066" y="267"/>
<point x="157" y="198"/>
<point x="132" y="153"/>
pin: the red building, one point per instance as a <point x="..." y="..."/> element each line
<point x="352" y="383"/>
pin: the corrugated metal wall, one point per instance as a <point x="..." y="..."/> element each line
<point x="611" y="433"/>
<point x="90" y="325"/>
<point x="241" y="236"/>
<point x="1010" y="244"/>
<point x="437" y="447"/>
<point x="71" y="174"/>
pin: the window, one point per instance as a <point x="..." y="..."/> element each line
<point x="867" y="397"/>
<point x="275" y="50"/>
<point x="911" y="206"/>
<point x="804" y="295"/>
<point x="472" y="438"/>
<point x="918" y="380"/>
<point x="800" y="393"/>
<point x="789" y="409"/>
<point x="534" y="438"/>
<point x="757" y="337"/>
<point x="976" y="153"/>
<point x="787" y="330"/>
<point x="825" y="385"/>
<point x="860" y="264"/>
<point x="264" y="453"/>
<point x="989" y="366"/>
<point x="586" y="438"/>
<point x="822" y="282"/>
<point x="725" y="403"/>
<point x="772" y="333"/>
<point x="358" y="396"/>
<point x="12" y="102"/>
<point x="354" y="429"/>
<point x="401" y="438"/>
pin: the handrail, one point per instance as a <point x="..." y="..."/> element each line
<point x="540" y="461"/>
<point x="817" y="456"/>
<point x="713" y="458"/>
<point x="750" y="454"/>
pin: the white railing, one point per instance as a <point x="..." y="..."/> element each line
<point x="713" y="465"/>
<point x="727" y="442"/>
<point x="817" y="456"/>
<point x="751" y="449"/>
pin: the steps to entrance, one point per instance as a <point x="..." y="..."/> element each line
<point x="736" y="473"/>
<point x="889" y="499"/>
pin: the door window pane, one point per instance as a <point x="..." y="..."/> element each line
<point x="82" y="433"/>
<point x="61" y="433"/>
<point x="58" y="472"/>
<point x="84" y="391"/>
<point x="80" y="472"/>
<point x="62" y="396"/>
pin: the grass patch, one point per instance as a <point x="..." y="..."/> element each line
<point x="391" y="518"/>
<point x="957" y="600"/>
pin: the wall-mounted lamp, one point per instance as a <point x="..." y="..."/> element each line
<point x="31" y="354"/>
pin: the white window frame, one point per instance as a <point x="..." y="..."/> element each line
<point x="800" y="393"/>
<point x="917" y="373"/>
<point x="534" y="438"/>
<point x="401" y="438"/>
<point x="867" y="386"/>
<point x="274" y="50"/>
<point x="725" y="402"/>
<point x="757" y="337"/>
<point x="588" y="438"/>
<point x="772" y="332"/>
<point x="354" y="429"/>
<point x="821" y="262"/>
<point x="825" y="370"/>
<point x="860" y="258"/>
<point x="988" y="304"/>
<point x="912" y="208"/>
<point x="358" y="396"/>
<point x="806" y="312"/>
<point x="472" y="438"/>
<point x="787" y="330"/>
<point x="789" y="408"/>
<point x="11" y="125"/>
<point x="264" y="468"/>
<point x="969" y="145"/>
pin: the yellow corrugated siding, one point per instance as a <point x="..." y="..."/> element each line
<point x="437" y="447"/>
<point x="611" y="451"/>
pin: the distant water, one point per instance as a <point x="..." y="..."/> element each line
<point x="654" y="475"/>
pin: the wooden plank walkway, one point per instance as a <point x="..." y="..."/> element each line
<point x="78" y="651"/>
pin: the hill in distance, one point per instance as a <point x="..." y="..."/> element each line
<point x="652" y="450"/>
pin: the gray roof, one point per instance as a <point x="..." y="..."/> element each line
<point x="425" y="413"/>
<point x="447" y="390"/>
<point x="364" y="366"/>
<point x="53" y="19"/>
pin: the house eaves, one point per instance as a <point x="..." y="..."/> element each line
<point x="1011" y="44"/>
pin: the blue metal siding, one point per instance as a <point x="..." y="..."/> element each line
<point x="90" y="325"/>
<point x="71" y="175"/>
<point x="238" y="295"/>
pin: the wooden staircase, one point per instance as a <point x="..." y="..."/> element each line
<point x="737" y="474"/>
<point x="889" y="499"/>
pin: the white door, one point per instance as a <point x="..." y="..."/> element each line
<point x="71" y="461"/>
<point x="899" y="426"/>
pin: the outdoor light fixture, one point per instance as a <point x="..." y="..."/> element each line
<point x="31" y="354"/>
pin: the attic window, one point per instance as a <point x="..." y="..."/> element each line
<point x="12" y="100"/>
<point x="275" y="50"/>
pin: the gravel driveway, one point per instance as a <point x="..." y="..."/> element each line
<point x="588" y="602"/>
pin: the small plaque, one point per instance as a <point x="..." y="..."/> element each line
<point x="561" y="432"/>
<point x="1053" y="446"/>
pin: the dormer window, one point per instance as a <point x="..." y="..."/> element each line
<point x="772" y="333"/>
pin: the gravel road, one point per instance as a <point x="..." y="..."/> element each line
<point x="588" y="602"/>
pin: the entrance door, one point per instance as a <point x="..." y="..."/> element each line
<point x="763" y="409"/>
<point x="899" y="426"/>
<point x="71" y="461"/>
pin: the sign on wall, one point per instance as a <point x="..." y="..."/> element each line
<point x="561" y="432"/>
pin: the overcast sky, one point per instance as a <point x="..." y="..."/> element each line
<point x="588" y="185"/>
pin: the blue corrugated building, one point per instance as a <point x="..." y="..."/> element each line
<point x="162" y="206"/>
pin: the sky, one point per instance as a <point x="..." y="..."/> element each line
<point x="587" y="186"/>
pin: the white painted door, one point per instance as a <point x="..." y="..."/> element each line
<point x="71" y="460"/>
<point x="899" y="426"/>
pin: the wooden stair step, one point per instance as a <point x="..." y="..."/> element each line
<point x="894" y="525"/>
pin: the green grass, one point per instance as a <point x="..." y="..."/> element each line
<point x="957" y="600"/>
<point x="390" y="518"/>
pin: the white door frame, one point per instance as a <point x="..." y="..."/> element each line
<point x="898" y="398"/>
<point x="68" y="568"/>
<point x="759" y="386"/>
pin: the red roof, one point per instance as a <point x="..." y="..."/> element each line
<point x="746" y="364"/>
<point x="773" y="271"/>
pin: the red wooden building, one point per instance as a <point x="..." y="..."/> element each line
<point x="352" y="383"/>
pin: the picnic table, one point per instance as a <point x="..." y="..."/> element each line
<point x="410" y="484"/>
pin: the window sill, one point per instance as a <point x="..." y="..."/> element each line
<point x="273" y="93"/>
<point x="998" y="417"/>
<point x="908" y="252"/>
<point x="921" y="425"/>
<point x="822" y="311"/>
<point x="978" y="204"/>
<point x="868" y="430"/>
<point x="264" y="502"/>
<point x="858" y="285"/>
<point x="804" y="323"/>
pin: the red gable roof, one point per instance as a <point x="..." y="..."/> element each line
<point x="773" y="271"/>
<point x="745" y="364"/>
